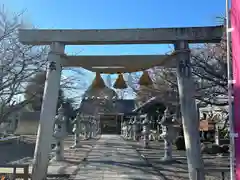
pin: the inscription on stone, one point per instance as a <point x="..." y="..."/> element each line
<point x="52" y="66"/>
<point x="184" y="68"/>
<point x="183" y="33"/>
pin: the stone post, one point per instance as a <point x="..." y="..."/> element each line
<point x="158" y="128"/>
<point x="94" y="127"/>
<point x="48" y="112"/>
<point x="85" y="124"/>
<point x="90" y="124"/>
<point x="121" y="121"/>
<point x="124" y="129"/>
<point x="128" y="130"/>
<point x="59" y="134"/>
<point x="76" y="131"/>
<point x="135" y="128"/>
<point x="146" y="131"/>
<point x="131" y="129"/>
<point x="189" y="114"/>
<point x="217" y="136"/>
<point x="81" y="125"/>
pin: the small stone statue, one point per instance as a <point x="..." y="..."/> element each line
<point x="59" y="133"/>
<point x="167" y="134"/>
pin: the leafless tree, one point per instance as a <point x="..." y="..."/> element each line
<point x="209" y="68"/>
<point x="18" y="62"/>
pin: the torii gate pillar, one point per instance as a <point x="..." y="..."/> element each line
<point x="189" y="114"/>
<point x="48" y="112"/>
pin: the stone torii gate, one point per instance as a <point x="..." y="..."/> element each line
<point x="180" y="37"/>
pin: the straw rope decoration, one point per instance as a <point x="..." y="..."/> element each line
<point x="98" y="82"/>
<point x="120" y="83"/>
<point x="145" y="79"/>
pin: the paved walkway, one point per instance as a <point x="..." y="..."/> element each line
<point x="113" y="159"/>
<point x="177" y="169"/>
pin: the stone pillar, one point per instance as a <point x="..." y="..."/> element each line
<point x="90" y="124"/>
<point x="48" y="112"/>
<point x="217" y="135"/>
<point x="189" y="114"/>
<point x="135" y="128"/>
<point x="146" y="131"/>
<point x="85" y="124"/>
<point x="76" y="131"/>
<point x="131" y="129"/>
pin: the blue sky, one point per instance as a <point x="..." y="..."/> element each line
<point x="91" y="14"/>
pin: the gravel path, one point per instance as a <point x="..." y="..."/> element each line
<point x="177" y="170"/>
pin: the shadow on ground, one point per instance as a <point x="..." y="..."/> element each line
<point x="12" y="153"/>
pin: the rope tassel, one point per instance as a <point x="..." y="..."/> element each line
<point x="98" y="82"/>
<point x="120" y="83"/>
<point x="145" y="79"/>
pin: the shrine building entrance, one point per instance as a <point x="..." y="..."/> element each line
<point x="110" y="123"/>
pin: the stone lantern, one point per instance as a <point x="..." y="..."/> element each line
<point x="168" y="134"/>
<point x="84" y="122"/>
<point x="59" y="133"/>
<point x="135" y="127"/>
<point x="124" y="129"/>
